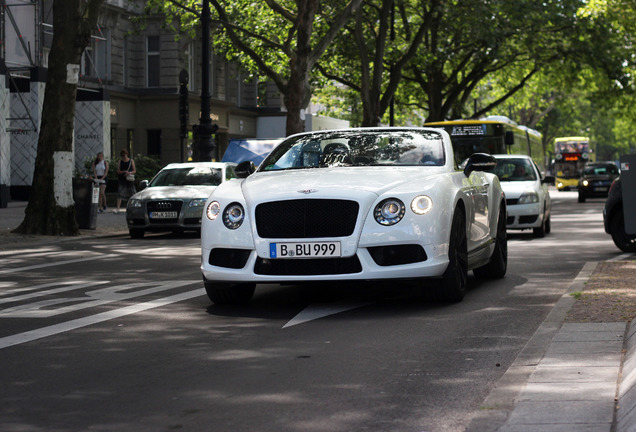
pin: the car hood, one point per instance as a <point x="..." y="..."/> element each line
<point x="599" y="177"/>
<point x="337" y="181"/>
<point x="174" y="192"/>
<point x="514" y="189"/>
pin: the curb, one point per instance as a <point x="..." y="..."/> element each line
<point x="626" y="407"/>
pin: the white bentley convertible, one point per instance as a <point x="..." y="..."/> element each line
<point x="355" y="204"/>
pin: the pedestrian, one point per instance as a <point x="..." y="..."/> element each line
<point x="125" y="178"/>
<point x="100" y="173"/>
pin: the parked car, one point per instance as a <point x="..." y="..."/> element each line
<point x="355" y="204"/>
<point x="174" y="199"/>
<point x="596" y="179"/>
<point x="614" y="219"/>
<point x="527" y="197"/>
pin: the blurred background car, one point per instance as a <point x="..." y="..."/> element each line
<point x="614" y="219"/>
<point x="527" y="197"/>
<point x="596" y="179"/>
<point x="174" y="199"/>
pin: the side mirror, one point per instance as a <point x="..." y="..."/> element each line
<point x="509" y="138"/>
<point x="143" y="185"/>
<point x="548" y="180"/>
<point x="480" y="162"/>
<point x="244" y="169"/>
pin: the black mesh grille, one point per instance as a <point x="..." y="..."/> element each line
<point x="307" y="267"/>
<point x="306" y="218"/>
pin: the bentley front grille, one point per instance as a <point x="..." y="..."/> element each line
<point x="306" y="218"/>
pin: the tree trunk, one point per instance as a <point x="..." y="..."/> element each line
<point x="51" y="208"/>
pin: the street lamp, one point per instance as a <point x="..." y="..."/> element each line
<point x="205" y="129"/>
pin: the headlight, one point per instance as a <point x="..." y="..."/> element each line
<point x="421" y="204"/>
<point x="389" y="212"/>
<point x="213" y="210"/>
<point x="529" y="198"/>
<point x="134" y="203"/>
<point x="233" y="216"/>
<point x="585" y="183"/>
<point x="197" y="202"/>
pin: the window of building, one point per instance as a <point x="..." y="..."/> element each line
<point x="152" y="61"/>
<point x="95" y="60"/>
<point x="154" y="142"/>
<point x="189" y="65"/>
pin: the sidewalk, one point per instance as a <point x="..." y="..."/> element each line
<point x="575" y="377"/>
<point x="11" y="217"/>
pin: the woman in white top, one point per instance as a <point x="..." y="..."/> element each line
<point x="100" y="172"/>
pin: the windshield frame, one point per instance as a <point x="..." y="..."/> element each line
<point x="356" y="148"/>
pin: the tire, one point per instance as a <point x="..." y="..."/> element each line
<point x="581" y="198"/>
<point x="541" y="231"/>
<point x="136" y="233"/>
<point x="621" y="239"/>
<point x="455" y="279"/>
<point x="498" y="265"/>
<point x="548" y="226"/>
<point x="224" y="294"/>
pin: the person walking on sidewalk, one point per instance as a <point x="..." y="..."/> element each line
<point x="100" y="172"/>
<point x="126" y="178"/>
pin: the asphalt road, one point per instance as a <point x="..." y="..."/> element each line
<point x="117" y="334"/>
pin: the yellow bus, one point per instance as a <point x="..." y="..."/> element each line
<point x="570" y="156"/>
<point x="493" y="135"/>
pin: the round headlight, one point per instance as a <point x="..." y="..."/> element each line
<point x="389" y="212"/>
<point x="213" y="210"/>
<point x="233" y="216"/>
<point x="421" y="204"/>
<point x="585" y="183"/>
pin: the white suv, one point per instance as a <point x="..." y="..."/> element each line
<point x="527" y="197"/>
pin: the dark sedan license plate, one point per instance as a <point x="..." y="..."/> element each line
<point x="304" y="250"/>
<point x="163" y="215"/>
<point x="600" y="189"/>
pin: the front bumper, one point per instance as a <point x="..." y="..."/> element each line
<point x="524" y="216"/>
<point x="188" y="218"/>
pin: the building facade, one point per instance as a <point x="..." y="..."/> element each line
<point x="128" y="91"/>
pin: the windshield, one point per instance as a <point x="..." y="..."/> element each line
<point x="515" y="170"/>
<point x="190" y="176"/>
<point x="600" y="169"/>
<point x="357" y="148"/>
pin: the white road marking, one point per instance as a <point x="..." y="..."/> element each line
<point x="316" y="311"/>
<point x="37" y="291"/>
<point x="53" y="264"/>
<point x="622" y="257"/>
<point x="94" y="319"/>
<point x="88" y="299"/>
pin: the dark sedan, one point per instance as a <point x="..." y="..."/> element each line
<point x="596" y="180"/>
<point x="614" y="219"/>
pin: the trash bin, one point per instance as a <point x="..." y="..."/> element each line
<point x="86" y="197"/>
<point x="628" y="181"/>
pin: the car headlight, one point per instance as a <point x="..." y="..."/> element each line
<point x="197" y="202"/>
<point x="213" y="210"/>
<point x="585" y="183"/>
<point x="134" y="203"/>
<point x="529" y="197"/>
<point x="233" y="216"/>
<point x="389" y="211"/>
<point x="421" y="204"/>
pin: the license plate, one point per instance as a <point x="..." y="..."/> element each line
<point x="304" y="250"/>
<point x="163" y="215"/>
<point x="600" y="189"/>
